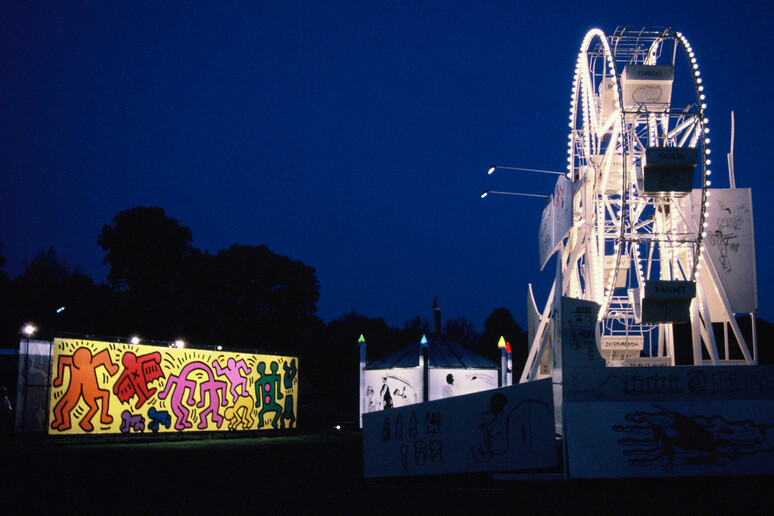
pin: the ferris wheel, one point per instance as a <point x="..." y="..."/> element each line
<point x="637" y="198"/>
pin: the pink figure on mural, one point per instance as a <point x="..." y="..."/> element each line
<point x="180" y="384"/>
<point x="138" y="372"/>
<point x="217" y="392"/>
<point x="83" y="384"/>
<point x="232" y="372"/>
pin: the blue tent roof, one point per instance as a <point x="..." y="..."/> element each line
<point x="442" y="353"/>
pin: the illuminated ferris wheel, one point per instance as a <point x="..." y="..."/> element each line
<point x="630" y="219"/>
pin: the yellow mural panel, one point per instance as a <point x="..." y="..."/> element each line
<point x="102" y="387"/>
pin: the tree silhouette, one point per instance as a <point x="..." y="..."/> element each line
<point x="415" y="328"/>
<point x="145" y="249"/>
<point x="251" y="297"/>
<point x="462" y="331"/>
<point x="332" y="362"/>
<point x="55" y="295"/>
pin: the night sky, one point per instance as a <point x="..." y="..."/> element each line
<point x="353" y="136"/>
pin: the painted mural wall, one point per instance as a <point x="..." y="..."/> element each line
<point x="100" y="387"/>
<point x="504" y="429"/>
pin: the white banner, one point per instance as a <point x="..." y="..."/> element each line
<point x="546" y="232"/>
<point x="731" y="245"/>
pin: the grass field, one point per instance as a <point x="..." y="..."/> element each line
<point x="321" y="473"/>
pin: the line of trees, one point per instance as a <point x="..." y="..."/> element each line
<point x="160" y="287"/>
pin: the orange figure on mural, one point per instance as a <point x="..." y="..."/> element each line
<point x="83" y="384"/>
<point x="138" y="372"/>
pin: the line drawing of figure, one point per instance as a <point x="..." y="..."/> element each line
<point x="182" y="383"/>
<point x="83" y="384"/>
<point x="138" y="373"/>
<point x="449" y="389"/>
<point x="500" y="428"/>
<point x="436" y="450"/>
<point x="668" y="439"/>
<point x="400" y="394"/>
<point x="420" y="452"/>
<point x="239" y="414"/>
<point x="232" y="372"/>
<point x="370" y="404"/>
<point x="722" y="237"/>
<point x="385" y="393"/>
<point x="267" y="392"/>
<point x="433" y="422"/>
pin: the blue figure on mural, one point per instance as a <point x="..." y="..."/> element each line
<point x="290" y="374"/>
<point x="157" y="418"/>
<point x="267" y="392"/>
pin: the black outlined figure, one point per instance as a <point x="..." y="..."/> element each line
<point x="501" y="428"/>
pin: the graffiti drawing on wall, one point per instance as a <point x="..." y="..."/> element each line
<point x="419" y="446"/>
<point x="666" y="439"/>
<point x="496" y="430"/>
<point x="724" y="235"/>
<point x="103" y="387"/>
<point x="501" y="427"/>
<point x="391" y="391"/>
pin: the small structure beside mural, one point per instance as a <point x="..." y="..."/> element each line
<point x="431" y="369"/>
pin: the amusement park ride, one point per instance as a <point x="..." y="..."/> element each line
<point x="637" y="365"/>
<point x="635" y="224"/>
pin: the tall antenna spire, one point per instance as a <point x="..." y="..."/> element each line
<point x="731" y="176"/>
<point x="437" y="315"/>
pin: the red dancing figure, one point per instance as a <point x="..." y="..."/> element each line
<point x="138" y="372"/>
<point x="83" y="384"/>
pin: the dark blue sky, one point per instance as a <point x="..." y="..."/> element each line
<point x="353" y="136"/>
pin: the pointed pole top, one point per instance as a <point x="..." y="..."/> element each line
<point x="436" y="304"/>
<point x="501" y="342"/>
<point x="423" y="342"/>
<point x="361" y="340"/>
